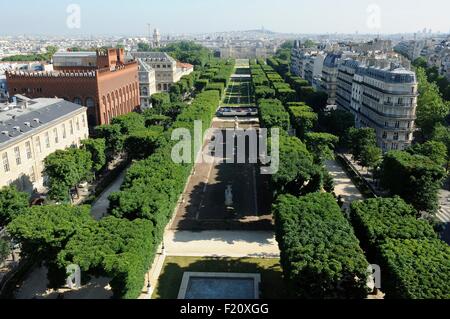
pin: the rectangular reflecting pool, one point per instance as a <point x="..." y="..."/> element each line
<point x="219" y="286"/>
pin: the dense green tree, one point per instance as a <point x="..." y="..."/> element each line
<point x="359" y="141"/>
<point x="97" y="149"/>
<point x="337" y="122"/>
<point x="64" y="169"/>
<point x="320" y="254"/>
<point x="12" y="204"/>
<point x="143" y="47"/>
<point x="46" y="229"/>
<point x="303" y="118"/>
<point x="160" y="101"/>
<point x="415" y="178"/>
<point x="273" y="114"/>
<point x="220" y="87"/>
<point x="321" y="145"/>
<point x="189" y="52"/>
<point x="129" y="122"/>
<point x="121" y="249"/>
<point x="420" y="62"/>
<point x="371" y="156"/>
<point x="264" y="92"/>
<point x="431" y="108"/>
<point x="114" y="139"/>
<point x="415" y="269"/>
<point x="152" y="119"/>
<point x="436" y="151"/>
<point x="378" y="219"/>
<point x="296" y="167"/>
<point x="142" y="143"/>
<point x="441" y="134"/>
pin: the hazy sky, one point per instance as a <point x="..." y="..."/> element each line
<point x="120" y="17"/>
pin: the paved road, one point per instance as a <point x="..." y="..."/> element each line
<point x="343" y="184"/>
<point x="100" y="207"/>
<point x="236" y="244"/>
<point x="35" y="286"/>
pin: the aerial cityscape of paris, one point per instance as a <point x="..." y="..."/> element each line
<point x="225" y="157"/>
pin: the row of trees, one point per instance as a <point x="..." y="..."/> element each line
<point x="415" y="178"/>
<point x="414" y="261"/>
<point x="433" y="76"/>
<point x="320" y="254"/>
<point x="47" y="56"/>
<point x="301" y="158"/>
<point x="216" y="76"/>
<point x="122" y="246"/>
<point x="432" y="110"/>
<point x="186" y="51"/>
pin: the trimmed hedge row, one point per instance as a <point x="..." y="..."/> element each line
<point x="272" y="114"/>
<point x="418" y="269"/>
<point x="152" y="187"/>
<point x="219" y="87"/>
<point x="303" y="118"/>
<point x="414" y="260"/>
<point x="376" y="220"/>
<point x="320" y="254"/>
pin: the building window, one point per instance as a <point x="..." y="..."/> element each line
<point x="64" y="131"/>
<point x="17" y="154"/>
<point x="386" y="124"/>
<point x="78" y="101"/>
<point x="47" y="140"/>
<point x="77" y="123"/>
<point x="394" y="146"/>
<point x="38" y="144"/>
<point x="384" y="134"/>
<point x="5" y="162"/>
<point x="28" y="150"/>
<point x="55" y="132"/>
<point x="71" y="127"/>
<point x="396" y="136"/>
<point x="83" y="120"/>
<point x="90" y="102"/>
<point x="397" y="124"/>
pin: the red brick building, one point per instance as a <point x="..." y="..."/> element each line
<point x="102" y="81"/>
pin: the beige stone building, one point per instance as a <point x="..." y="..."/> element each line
<point x="30" y="130"/>
<point x="167" y="70"/>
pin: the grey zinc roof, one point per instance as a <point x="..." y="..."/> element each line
<point x="398" y="75"/>
<point x="153" y="56"/>
<point x="81" y="54"/>
<point x="18" y="123"/>
<point x="331" y="59"/>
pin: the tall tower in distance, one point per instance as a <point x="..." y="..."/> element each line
<point x="156" y="39"/>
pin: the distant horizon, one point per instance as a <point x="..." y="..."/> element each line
<point x="217" y="32"/>
<point x="193" y="17"/>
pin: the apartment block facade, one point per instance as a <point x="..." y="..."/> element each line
<point x="382" y="98"/>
